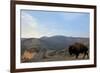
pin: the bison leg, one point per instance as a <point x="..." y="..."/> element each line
<point x="77" y="56"/>
<point x="70" y="53"/>
<point x="85" y="55"/>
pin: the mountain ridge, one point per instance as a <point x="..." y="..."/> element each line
<point x="53" y="42"/>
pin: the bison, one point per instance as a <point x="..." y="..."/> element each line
<point x="78" y="48"/>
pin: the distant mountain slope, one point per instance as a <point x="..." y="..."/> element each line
<point x="54" y="42"/>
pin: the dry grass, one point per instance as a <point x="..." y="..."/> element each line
<point x="31" y="57"/>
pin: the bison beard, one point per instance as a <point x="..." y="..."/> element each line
<point x="78" y="48"/>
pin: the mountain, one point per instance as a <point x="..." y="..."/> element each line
<point x="54" y="42"/>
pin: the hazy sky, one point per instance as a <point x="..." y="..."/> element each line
<point x="46" y="23"/>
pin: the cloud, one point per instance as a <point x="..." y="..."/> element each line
<point x="28" y="20"/>
<point x="29" y="25"/>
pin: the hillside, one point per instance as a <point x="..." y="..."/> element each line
<point x="54" y="42"/>
<point x="49" y="48"/>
